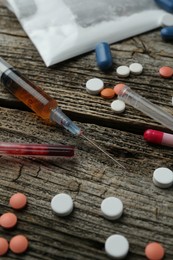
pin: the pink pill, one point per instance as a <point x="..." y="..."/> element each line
<point x="18" y="201"/>
<point x="18" y="244"/>
<point x="166" y="72"/>
<point x="8" y="220"/>
<point x="3" y="246"/>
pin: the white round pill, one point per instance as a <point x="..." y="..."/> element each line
<point x="123" y="71"/>
<point x="163" y="177"/>
<point x="118" y="106"/>
<point x="62" y="204"/>
<point x="136" y="68"/>
<point x="94" y="86"/>
<point x="166" y="20"/>
<point x="117" y="246"/>
<point x="112" y="208"/>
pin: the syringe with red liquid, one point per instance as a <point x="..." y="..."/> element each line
<point x="47" y="150"/>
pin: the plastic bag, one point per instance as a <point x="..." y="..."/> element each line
<point x="62" y="29"/>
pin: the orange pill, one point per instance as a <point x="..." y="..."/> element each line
<point x="8" y="220"/>
<point x="18" y="244"/>
<point x="3" y="246"/>
<point x="154" y="251"/>
<point x="166" y="72"/>
<point x="18" y="201"/>
<point x="107" y="93"/>
<point x="118" y="87"/>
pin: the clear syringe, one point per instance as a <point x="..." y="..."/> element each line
<point x="132" y="98"/>
<point x="39" y="101"/>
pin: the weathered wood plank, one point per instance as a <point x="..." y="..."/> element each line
<point x="90" y="176"/>
<point x="88" y="179"/>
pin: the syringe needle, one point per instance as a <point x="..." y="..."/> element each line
<point x="102" y="150"/>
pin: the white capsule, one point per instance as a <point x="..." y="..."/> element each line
<point x="123" y="71"/>
<point x="94" y="86"/>
<point x="136" y="68"/>
<point x="117" y="246"/>
<point x="62" y="204"/>
<point x="118" y="106"/>
<point x="163" y="177"/>
<point x="112" y="208"/>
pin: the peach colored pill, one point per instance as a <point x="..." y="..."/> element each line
<point x="118" y="86"/>
<point x="107" y="93"/>
<point x="18" y="244"/>
<point x="8" y="220"/>
<point x="3" y="246"/>
<point x="166" y="72"/>
<point x="154" y="251"/>
<point x="18" y="201"/>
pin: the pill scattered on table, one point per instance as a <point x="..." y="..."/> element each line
<point x="103" y="56"/>
<point x="8" y="220"/>
<point x="118" y="106"/>
<point x="62" y="204"/>
<point x="112" y="208"/>
<point x="18" y="244"/>
<point x="154" y="251"/>
<point x="117" y="246"/>
<point x="94" y="86"/>
<point x="163" y="177"/>
<point x="167" y="33"/>
<point x="107" y="93"/>
<point x="166" y="72"/>
<point x="3" y="246"/>
<point x="123" y="71"/>
<point x="18" y="201"/>
<point x="136" y="68"/>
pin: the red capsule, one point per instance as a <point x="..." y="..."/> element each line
<point x="158" y="137"/>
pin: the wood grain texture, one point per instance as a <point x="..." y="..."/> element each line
<point x="90" y="176"/>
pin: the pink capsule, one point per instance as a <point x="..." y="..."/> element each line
<point x="158" y="137"/>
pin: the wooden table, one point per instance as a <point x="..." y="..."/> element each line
<point x="90" y="176"/>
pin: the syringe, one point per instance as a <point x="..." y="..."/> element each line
<point x="130" y="97"/>
<point x="34" y="150"/>
<point x="40" y="102"/>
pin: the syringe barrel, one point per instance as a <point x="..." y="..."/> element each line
<point x="132" y="98"/>
<point x="34" y="97"/>
<point x="31" y="95"/>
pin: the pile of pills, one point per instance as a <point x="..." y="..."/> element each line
<point x="95" y="86"/>
<point x="19" y="243"/>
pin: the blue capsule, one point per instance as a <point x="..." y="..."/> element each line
<point x="103" y="56"/>
<point x="167" y="33"/>
<point x="167" y="5"/>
